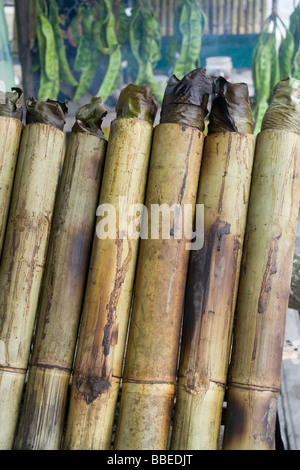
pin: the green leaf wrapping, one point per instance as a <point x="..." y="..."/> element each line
<point x="138" y="102"/>
<point x="89" y="118"/>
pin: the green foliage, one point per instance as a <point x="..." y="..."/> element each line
<point x="270" y="66"/>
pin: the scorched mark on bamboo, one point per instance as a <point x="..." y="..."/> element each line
<point x="181" y="192"/>
<point x="220" y="204"/>
<point x="91" y="385"/>
<point x="199" y="276"/>
<point x="271" y="269"/>
<point x="110" y="331"/>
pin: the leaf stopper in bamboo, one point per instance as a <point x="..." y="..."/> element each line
<point x="231" y="109"/>
<point x="13" y="104"/>
<point x="49" y="112"/>
<point x="185" y="101"/>
<point x="284" y="110"/>
<point x="89" y="118"/>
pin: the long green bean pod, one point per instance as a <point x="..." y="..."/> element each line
<point x="145" y="41"/>
<point x="65" y="73"/>
<point x="192" y="24"/>
<point x="49" y="64"/>
<point x="265" y="71"/>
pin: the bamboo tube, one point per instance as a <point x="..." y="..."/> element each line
<point x="10" y="134"/>
<point x="40" y="158"/>
<point x="105" y="314"/>
<point x="148" y="385"/>
<point x="214" y="272"/>
<point x="254" y="374"/>
<point x="43" y="411"/>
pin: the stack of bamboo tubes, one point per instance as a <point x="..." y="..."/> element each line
<point x="91" y="311"/>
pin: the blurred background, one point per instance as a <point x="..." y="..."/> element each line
<point x="109" y="44"/>
<point x="73" y="50"/>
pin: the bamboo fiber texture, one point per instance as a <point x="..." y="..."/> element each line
<point x="148" y="385"/>
<point x="262" y="303"/>
<point x="10" y="135"/>
<point x="40" y="157"/>
<point x="43" y="411"/>
<point x="211" y="290"/>
<point x="106" y="307"/>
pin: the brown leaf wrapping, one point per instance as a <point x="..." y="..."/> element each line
<point x="47" y="112"/>
<point x="230" y="110"/>
<point x="283" y="112"/>
<point x="137" y="101"/>
<point x="13" y="104"/>
<point x="185" y="101"/>
<point x="89" y="118"/>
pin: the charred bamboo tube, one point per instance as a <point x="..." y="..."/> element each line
<point x="10" y="134"/>
<point x="148" y="385"/>
<point x="262" y="303"/>
<point x="214" y="271"/>
<point x="40" y="157"/>
<point x="43" y="411"/>
<point x="107" y="300"/>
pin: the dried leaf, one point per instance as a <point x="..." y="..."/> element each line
<point x="13" y="104"/>
<point x="231" y="109"/>
<point x="185" y="101"/>
<point x="48" y="112"/>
